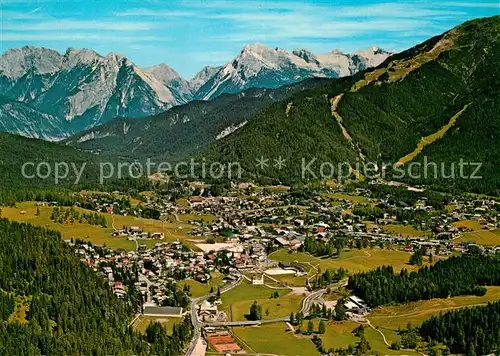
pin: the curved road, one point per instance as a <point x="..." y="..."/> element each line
<point x="197" y="324"/>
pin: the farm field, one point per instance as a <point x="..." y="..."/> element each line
<point x="353" y="260"/>
<point x="482" y="237"/>
<point x="282" y="342"/>
<point x="199" y="289"/>
<point x="26" y="212"/>
<point x="236" y="303"/>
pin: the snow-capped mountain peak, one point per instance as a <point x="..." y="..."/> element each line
<point x="260" y="66"/>
<point x="85" y="88"/>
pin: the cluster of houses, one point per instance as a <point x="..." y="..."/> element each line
<point x="135" y="232"/>
<point x="158" y="268"/>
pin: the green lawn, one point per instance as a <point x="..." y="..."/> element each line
<point x="274" y="339"/>
<point x="199" y="289"/>
<point x="142" y="323"/>
<point x="338" y="334"/>
<point x="237" y="301"/>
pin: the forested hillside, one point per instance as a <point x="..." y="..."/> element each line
<point x="182" y="130"/>
<point x="83" y="168"/>
<point x="470" y="331"/>
<point x="465" y="275"/>
<point x="70" y="310"/>
<point x="15" y="151"/>
<point x="445" y="89"/>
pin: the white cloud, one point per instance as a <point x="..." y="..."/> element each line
<point x="87" y="37"/>
<point x="69" y="25"/>
<point x="487" y="5"/>
<point x="154" y="13"/>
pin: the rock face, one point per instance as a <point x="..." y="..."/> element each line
<point x="261" y="66"/>
<point x="85" y="88"/>
<point x="81" y="89"/>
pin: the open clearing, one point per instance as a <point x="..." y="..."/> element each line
<point x="353" y="260"/>
<point x="274" y="339"/>
<point x="388" y="319"/>
<point x="199" y="289"/>
<point x="468" y="224"/>
<point x="393" y="317"/>
<point x="236" y="303"/>
<point x="26" y="212"/>
<point x="482" y="237"/>
<point x="142" y="323"/>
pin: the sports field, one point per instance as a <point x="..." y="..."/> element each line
<point x="405" y="231"/>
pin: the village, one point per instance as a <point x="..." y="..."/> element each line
<point x="246" y="233"/>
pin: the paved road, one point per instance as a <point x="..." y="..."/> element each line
<point x="309" y="300"/>
<point x="197" y="324"/>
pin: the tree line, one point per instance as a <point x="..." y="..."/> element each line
<point x="61" y="215"/>
<point x="72" y="310"/>
<point x="470" y="331"/>
<point x="465" y="275"/>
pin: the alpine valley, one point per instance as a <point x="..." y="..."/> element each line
<point x="67" y="93"/>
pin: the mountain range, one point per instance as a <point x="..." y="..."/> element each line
<point x="80" y="89"/>
<point x="436" y="102"/>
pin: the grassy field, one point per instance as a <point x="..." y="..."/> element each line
<point x="199" y="289"/>
<point x="468" y="224"/>
<point x="142" y="323"/>
<point x="289" y="280"/>
<point x="405" y="231"/>
<point x="393" y="317"/>
<point x="483" y="237"/>
<point x="96" y="234"/>
<point x="237" y="301"/>
<point x="353" y="260"/>
<point x="274" y="339"/>
<point x="338" y="335"/>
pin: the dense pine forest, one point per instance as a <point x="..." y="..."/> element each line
<point x="70" y="309"/>
<point x="473" y="331"/>
<point x="465" y="275"/>
<point x="386" y="111"/>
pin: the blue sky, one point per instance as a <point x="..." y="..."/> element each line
<point x="187" y="35"/>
